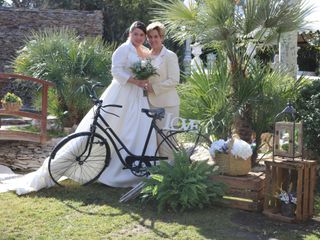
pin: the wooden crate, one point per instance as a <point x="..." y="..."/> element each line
<point x="303" y="179"/>
<point x="243" y="192"/>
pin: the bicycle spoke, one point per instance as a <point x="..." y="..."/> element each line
<point x="81" y="157"/>
<point x="194" y="144"/>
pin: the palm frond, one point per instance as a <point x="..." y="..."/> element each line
<point x="178" y="18"/>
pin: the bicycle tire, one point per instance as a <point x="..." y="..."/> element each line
<point x="194" y="143"/>
<point x="80" y="157"/>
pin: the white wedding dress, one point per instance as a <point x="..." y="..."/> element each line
<point x="131" y="127"/>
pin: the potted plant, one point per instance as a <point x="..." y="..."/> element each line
<point x="232" y="156"/>
<point x="11" y="102"/>
<point x="288" y="202"/>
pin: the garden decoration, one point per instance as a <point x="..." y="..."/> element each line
<point x="290" y="184"/>
<point x="288" y="201"/>
<point x="11" y="102"/>
<point x="7" y="134"/>
<point x="232" y="156"/>
<point x="288" y="135"/>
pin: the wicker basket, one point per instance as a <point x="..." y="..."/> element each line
<point x="11" y="107"/>
<point x="230" y="165"/>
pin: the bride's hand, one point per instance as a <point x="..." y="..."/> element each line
<point x="138" y="82"/>
<point x="149" y="88"/>
<point x="143" y="83"/>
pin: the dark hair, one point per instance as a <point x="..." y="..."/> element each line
<point x="140" y="25"/>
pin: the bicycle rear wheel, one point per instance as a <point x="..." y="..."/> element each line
<point x="195" y="144"/>
<point x="80" y="157"/>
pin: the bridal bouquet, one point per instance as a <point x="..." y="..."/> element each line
<point x="142" y="70"/>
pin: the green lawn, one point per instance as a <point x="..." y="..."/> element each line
<point x="93" y="212"/>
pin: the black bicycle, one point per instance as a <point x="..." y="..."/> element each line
<point x="83" y="156"/>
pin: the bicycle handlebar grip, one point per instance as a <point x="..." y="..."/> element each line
<point x="93" y="92"/>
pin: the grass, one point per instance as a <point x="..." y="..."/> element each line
<point x="93" y="212"/>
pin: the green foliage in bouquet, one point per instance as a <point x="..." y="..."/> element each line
<point x="143" y="69"/>
<point x="182" y="185"/>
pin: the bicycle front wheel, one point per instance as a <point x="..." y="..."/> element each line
<point x="80" y="157"/>
<point x="193" y="143"/>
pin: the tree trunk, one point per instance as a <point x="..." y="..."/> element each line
<point x="242" y="125"/>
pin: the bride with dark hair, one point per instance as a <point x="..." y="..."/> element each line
<point x="130" y="127"/>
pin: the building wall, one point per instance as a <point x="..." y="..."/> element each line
<point x="16" y="24"/>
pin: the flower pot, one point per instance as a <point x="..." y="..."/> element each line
<point x="287" y="209"/>
<point x="11" y="107"/>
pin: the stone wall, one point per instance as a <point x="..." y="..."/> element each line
<point x="15" y="24"/>
<point x="25" y="156"/>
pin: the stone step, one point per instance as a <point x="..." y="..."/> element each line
<point x="15" y="121"/>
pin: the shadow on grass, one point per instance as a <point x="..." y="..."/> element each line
<point x="211" y="223"/>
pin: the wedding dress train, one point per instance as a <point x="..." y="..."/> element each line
<point x="131" y="127"/>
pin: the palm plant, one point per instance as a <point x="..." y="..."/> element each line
<point x="205" y="96"/>
<point x="60" y="56"/>
<point x="239" y="27"/>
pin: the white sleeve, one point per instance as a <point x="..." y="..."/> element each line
<point x="119" y="70"/>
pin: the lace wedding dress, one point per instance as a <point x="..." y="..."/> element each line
<point x="131" y="127"/>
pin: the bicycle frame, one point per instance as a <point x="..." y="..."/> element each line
<point x="114" y="139"/>
<point x="102" y="134"/>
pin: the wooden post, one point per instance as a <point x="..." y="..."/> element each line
<point x="44" y="112"/>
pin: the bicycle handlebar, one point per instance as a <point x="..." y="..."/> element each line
<point x="93" y="93"/>
<point x="95" y="98"/>
<point x="112" y="105"/>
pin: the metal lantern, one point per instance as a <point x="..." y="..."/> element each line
<point x="287" y="140"/>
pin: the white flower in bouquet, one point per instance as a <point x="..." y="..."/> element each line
<point x="143" y="63"/>
<point x="143" y="69"/>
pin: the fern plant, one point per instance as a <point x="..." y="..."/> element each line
<point x="182" y="185"/>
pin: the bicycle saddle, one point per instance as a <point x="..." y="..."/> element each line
<point x="156" y="113"/>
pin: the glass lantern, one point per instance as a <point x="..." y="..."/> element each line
<point x="287" y="141"/>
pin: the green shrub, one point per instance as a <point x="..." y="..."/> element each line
<point x="182" y="186"/>
<point x="60" y="56"/>
<point x="206" y="96"/>
<point x="308" y="107"/>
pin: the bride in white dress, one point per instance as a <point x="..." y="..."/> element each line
<point x="131" y="126"/>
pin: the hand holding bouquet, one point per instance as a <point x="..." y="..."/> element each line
<point x="142" y="70"/>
